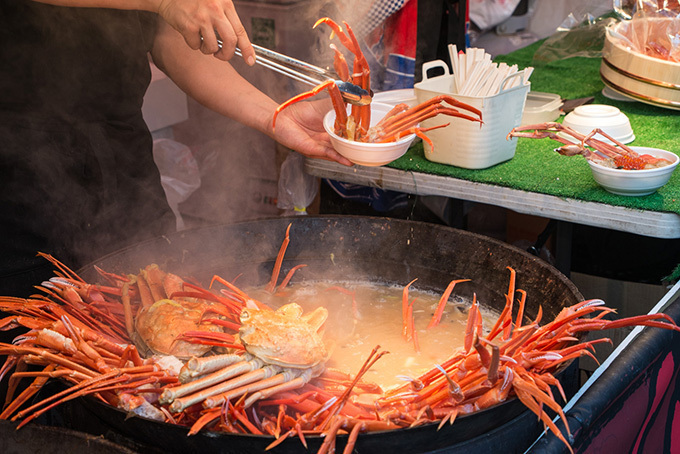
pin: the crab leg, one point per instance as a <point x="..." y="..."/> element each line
<point x="436" y="318"/>
<point x="404" y="310"/>
<point x="420" y="132"/>
<point x="396" y="124"/>
<point x="212" y="396"/>
<point x="340" y="64"/>
<point x="206" y="364"/>
<point x="336" y="99"/>
<point x="40" y="379"/>
<point x="362" y="114"/>
<point x="414" y="111"/>
<point x="360" y="75"/>
<point x="172" y="394"/>
<point x="288" y="384"/>
<point x="279" y="260"/>
<point x="506" y="315"/>
<point x="473" y="314"/>
<point x="619" y="155"/>
<point x="259" y="381"/>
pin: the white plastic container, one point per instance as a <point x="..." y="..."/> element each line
<point x="464" y="143"/>
<point x="541" y="107"/>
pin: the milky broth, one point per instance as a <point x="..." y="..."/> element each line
<point x="380" y="310"/>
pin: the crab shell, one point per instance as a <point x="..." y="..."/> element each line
<point x="285" y="337"/>
<point x="158" y="326"/>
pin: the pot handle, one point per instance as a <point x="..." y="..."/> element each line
<point x="432" y="65"/>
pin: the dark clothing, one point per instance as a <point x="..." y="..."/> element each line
<point x="77" y="176"/>
<point x="440" y="23"/>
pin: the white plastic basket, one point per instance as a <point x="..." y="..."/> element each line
<point x="464" y="143"/>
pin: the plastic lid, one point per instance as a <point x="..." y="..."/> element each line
<point x="538" y="101"/>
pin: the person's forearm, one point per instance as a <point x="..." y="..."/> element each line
<point x="212" y="82"/>
<point x="200" y="22"/>
<point x="217" y="85"/>
<point x="142" y="5"/>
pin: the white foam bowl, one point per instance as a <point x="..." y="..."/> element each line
<point x="636" y="182"/>
<point x="610" y="119"/>
<point x="394" y="97"/>
<point x="368" y="154"/>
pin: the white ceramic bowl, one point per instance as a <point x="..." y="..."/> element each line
<point x="368" y="154"/>
<point x="610" y="119"/>
<point x="636" y="182"/>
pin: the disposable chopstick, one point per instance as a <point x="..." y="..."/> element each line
<point x="475" y="74"/>
<point x="453" y="57"/>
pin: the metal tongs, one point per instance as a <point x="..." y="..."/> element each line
<point x="307" y="73"/>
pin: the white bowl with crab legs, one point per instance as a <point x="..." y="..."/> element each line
<point x="636" y="182"/>
<point x="366" y="153"/>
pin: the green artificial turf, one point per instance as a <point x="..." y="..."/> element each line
<point x="537" y="168"/>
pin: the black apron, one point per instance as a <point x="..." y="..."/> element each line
<point x="77" y="177"/>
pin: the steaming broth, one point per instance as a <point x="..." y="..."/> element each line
<point x="380" y="323"/>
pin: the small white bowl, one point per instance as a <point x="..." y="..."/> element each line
<point x="610" y="119"/>
<point x="394" y="97"/>
<point x="368" y="154"/>
<point x="636" y="182"/>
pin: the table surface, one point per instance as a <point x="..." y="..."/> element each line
<point x="538" y="181"/>
<point x="648" y="223"/>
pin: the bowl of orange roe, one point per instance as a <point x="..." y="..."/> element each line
<point x="637" y="182"/>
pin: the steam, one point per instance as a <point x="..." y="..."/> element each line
<point x="73" y="194"/>
<point x="240" y="166"/>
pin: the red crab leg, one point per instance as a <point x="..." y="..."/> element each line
<point x="40" y="379"/>
<point x="288" y="277"/>
<point x="336" y="99"/>
<point x="404" y="309"/>
<point x="337" y="30"/>
<point x="63" y="268"/>
<point x="360" y="70"/>
<point x="210" y="338"/>
<point x="399" y="108"/>
<point x="520" y="311"/>
<point x="645" y="320"/>
<point x="473" y="314"/>
<point x="408" y="119"/>
<point x="622" y="155"/>
<point x="420" y="132"/>
<point x="435" y="101"/>
<point x="436" y="318"/>
<point x="411" y="321"/>
<point x="340" y="64"/>
<point x="507" y="310"/>
<point x="279" y="259"/>
<point x="206" y="418"/>
<point x="363" y="113"/>
<point x="531" y="396"/>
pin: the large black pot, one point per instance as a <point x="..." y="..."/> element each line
<point x="393" y="251"/>
<point x="35" y="438"/>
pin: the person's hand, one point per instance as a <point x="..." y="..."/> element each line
<point x="201" y="22"/>
<point x="300" y="128"/>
